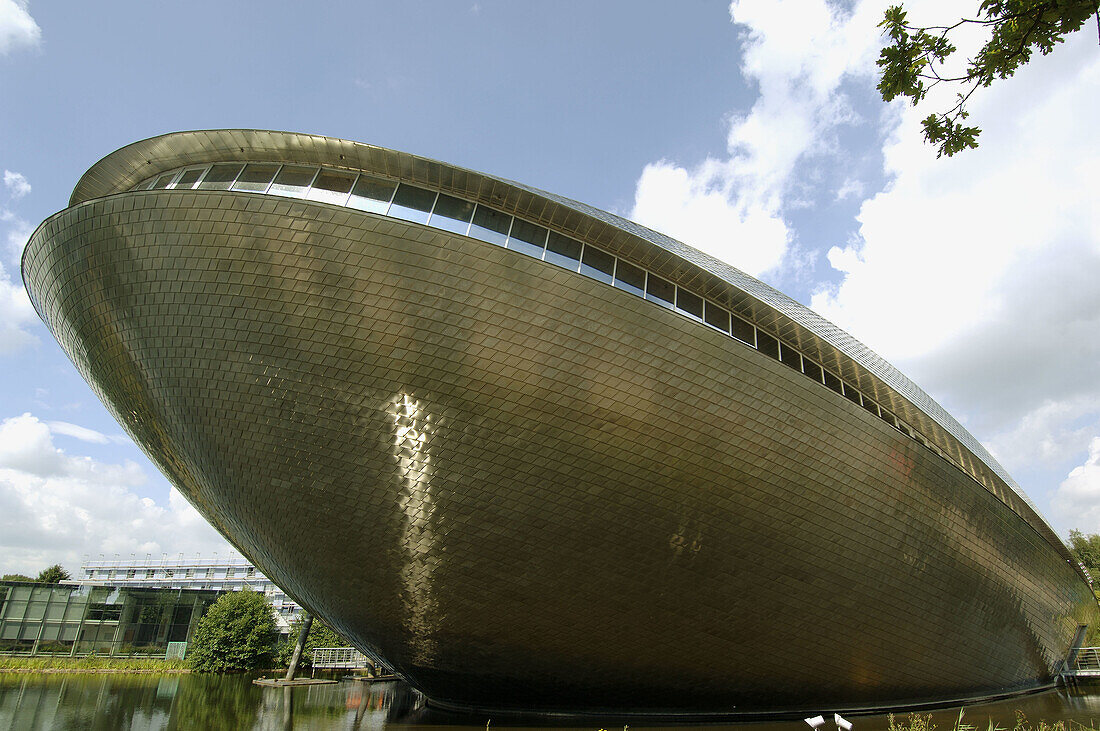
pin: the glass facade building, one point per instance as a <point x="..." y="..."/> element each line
<point x="79" y="620"/>
<point x="214" y="573"/>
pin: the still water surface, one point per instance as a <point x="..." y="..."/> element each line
<point x="117" y="701"/>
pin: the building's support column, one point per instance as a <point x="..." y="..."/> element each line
<point x="307" y="622"/>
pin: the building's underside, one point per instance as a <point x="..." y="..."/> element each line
<point x="527" y="488"/>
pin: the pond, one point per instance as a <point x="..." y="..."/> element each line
<point x="124" y="701"/>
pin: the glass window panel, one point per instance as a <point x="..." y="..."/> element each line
<point x="852" y="395"/>
<point x="452" y="214"/>
<point x="887" y="417"/>
<point x="332" y="186"/>
<point x="491" y="226"/>
<point x="145" y="184"/>
<point x="50" y="632"/>
<point x="56" y="610"/>
<point x="660" y="291"/>
<point x="163" y="181"/>
<point x="412" y="203"/>
<point x="743" y="331"/>
<point x="630" y="278"/>
<point x="870" y="406"/>
<point x="371" y="194"/>
<point x="597" y="264"/>
<point x="189" y="178"/>
<point x="811" y="369"/>
<point x="716" y="316"/>
<point x="293" y="181"/>
<point x="527" y="238"/>
<point x="833" y="382"/>
<point x="255" y="178"/>
<point x="566" y="252"/>
<point x="790" y="356"/>
<point x="35" y="611"/>
<point x="220" y="177"/>
<point x="689" y="303"/>
<point x="767" y="345"/>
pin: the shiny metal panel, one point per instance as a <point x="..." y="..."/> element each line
<point x="523" y="488"/>
<point x="766" y="307"/>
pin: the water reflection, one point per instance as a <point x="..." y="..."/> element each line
<point x="118" y="701"/>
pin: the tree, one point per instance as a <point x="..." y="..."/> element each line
<point x="237" y="633"/>
<point x="320" y="635"/>
<point x="1086" y="549"/>
<point x="53" y="575"/>
<point x="16" y="577"/>
<point x="912" y="64"/>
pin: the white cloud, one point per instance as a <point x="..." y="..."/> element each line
<point x="16" y="183"/>
<point x="16" y="316"/>
<point x="85" y="434"/>
<point x="798" y="53"/>
<point x="55" y="507"/>
<point x="1077" y="500"/>
<point x="17" y="27"/>
<point x="977" y="274"/>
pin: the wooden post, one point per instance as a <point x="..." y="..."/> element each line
<point x="307" y="622"/>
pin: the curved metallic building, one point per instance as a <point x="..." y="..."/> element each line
<point x="533" y="455"/>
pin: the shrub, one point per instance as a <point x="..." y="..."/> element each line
<point x="237" y="633"/>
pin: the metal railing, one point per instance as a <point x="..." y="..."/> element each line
<point x="339" y="658"/>
<point x="1084" y="662"/>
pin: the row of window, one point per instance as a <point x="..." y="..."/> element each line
<point x="169" y="573"/>
<point x="442" y="211"/>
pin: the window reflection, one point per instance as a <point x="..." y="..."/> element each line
<point x="220" y="177"/>
<point x="371" y="194"/>
<point x="630" y="278"/>
<point x="767" y="345"/>
<point x="717" y="317"/>
<point x="292" y="181"/>
<point x="412" y="203"/>
<point x="452" y="214"/>
<point x="688" y="303"/>
<point x="743" y="331"/>
<point x="661" y="291"/>
<point x="565" y="252"/>
<point x="490" y="226"/>
<point x="254" y="178"/>
<point x="332" y="186"/>
<point x="527" y="238"/>
<point x="598" y="264"/>
<point x="189" y="178"/>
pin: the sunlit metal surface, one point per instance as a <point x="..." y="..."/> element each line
<point x="524" y="488"/>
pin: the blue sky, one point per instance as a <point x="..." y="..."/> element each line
<point x="752" y="131"/>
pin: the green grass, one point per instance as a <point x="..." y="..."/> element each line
<point x="919" y="722"/>
<point x="121" y="664"/>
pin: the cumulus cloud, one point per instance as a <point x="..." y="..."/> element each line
<point x="17" y="27"/>
<point x="55" y="507"/>
<point x="798" y="53"/>
<point x="16" y="183"/>
<point x="977" y="273"/>
<point x="1077" y="500"/>
<point x="17" y="315"/>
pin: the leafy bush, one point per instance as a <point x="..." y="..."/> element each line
<point x="237" y="633"/>
<point x="320" y="635"/>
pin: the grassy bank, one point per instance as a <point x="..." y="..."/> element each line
<point x="94" y="664"/>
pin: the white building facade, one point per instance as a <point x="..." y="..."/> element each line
<point x="224" y="573"/>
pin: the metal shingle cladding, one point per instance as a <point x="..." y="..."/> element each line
<point x="768" y="308"/>
<point x="610" y="506"/>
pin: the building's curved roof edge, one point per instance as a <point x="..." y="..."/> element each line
<point x="137" y="161"/>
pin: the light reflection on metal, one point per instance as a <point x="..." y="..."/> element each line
<point x="412" y="427"/>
